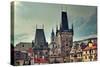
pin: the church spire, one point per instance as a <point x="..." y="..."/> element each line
<point x="56" y="29"/>
<point x="52" y="35"/>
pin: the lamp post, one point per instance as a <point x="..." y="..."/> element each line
<point x="90" y="44"/>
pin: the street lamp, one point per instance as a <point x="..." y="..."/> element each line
<point x="90" y="44"/>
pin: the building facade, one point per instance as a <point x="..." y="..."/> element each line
<point x="76" y="53"/>
<point x="21" y="54"/>
<point x="84" y="50"/>
<point x="90" y="51"/>
<point x="23" y="46"/>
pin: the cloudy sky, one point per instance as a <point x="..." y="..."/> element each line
<point x="28" y="15"/>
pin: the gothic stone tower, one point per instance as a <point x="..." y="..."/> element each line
<point x="52" y="44"/>
<point x="66" y="36"/>
<point x="40" y="47"/>
<point x="55" y="52"/>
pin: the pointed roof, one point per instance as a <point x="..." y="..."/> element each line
<point x="40" y="37"/>
<point x="64" y="22"/>
<point x="56" y="29"/>
<point x="52" y="33"/>
<point x="72" y="29"/>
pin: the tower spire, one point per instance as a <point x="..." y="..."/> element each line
<point x="72" y="29"/>
<point x="56" y="29"/>
<point x="36" y="26"/>
<point x="52" y="32"/>
<point x="60" y="27"/>
<point x="52" y="35"/>
<point x="64" y="21"/>
<point x="64" y="18"/>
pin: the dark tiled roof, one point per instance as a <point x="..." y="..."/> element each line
<point x="40" y="40"/>
<point x="40" y="36"/>
<point x="64" y="21"/>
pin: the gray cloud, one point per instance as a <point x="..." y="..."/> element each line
<point x="27" y="15"/>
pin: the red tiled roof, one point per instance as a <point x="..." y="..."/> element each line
<point x="88" y="48"/>
<point x="40" y="60"/>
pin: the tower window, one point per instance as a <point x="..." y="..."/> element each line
<point x="66" y="44"/>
